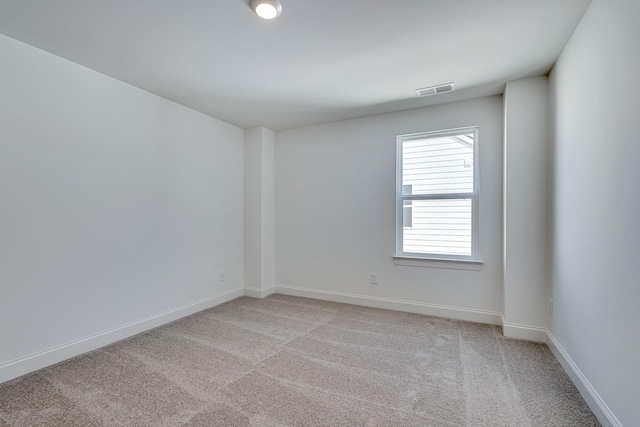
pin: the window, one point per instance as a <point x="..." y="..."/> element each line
<point x="437" y="195"/>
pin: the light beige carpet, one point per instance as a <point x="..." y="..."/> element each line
<point x="288" y="361"/>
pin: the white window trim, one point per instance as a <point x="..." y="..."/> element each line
<point x="472" y="262"/>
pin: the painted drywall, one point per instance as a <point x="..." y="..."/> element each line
<point x="253" y="207"/>
<point x="335" y="208"/>
<point x="595" y="105"/>
<point x="525" y="202"/>
<point x="117" y="204"/>
<point x="268" y="210"/>
<point x="259" y="210"/>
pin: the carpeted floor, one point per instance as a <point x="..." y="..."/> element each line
<point x="288" y="361"/>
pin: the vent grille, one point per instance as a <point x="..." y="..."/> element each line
<point x="432" y="90"/>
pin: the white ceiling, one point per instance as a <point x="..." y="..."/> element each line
<point x="320" y="61"/>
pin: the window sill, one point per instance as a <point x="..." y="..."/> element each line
<point x="452" y="264"/>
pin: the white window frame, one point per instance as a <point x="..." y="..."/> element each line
<point x="474" y="196"/>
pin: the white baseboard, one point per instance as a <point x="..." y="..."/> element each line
<point x="511" y="330"/>
<point x="42" y="359"/>
<point x="590" y="395"/>
<point x="458" y="313"/>
<point x="523" y="332"/>
<point x="258" y="292"/>
<point x="593" y="399"/>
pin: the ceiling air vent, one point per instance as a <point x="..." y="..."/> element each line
<point x="432" y="90"/>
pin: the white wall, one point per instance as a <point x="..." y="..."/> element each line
<point x="595" y="106"/>
<point x="268" y="211"/>
<point x="259" y="231"/>
<point x="117" y="205"/>
<point x="335" y="209"/>
<point x="525" y="208"/>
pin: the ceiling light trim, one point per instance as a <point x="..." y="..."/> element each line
<point x="266" y="9"/>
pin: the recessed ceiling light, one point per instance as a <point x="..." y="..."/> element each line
<point x="266" y="9"/>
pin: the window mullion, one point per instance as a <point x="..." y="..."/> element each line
<point x="437" y="196"/>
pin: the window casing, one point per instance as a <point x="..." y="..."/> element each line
<point x="437" y="195"/>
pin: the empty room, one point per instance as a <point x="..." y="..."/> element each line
<point x="319" y="213"/>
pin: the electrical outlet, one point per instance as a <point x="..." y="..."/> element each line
<point x="374" y="278"/>
<point x="550" y="307"/>
<point x="221" y="276"/>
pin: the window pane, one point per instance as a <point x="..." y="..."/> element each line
<point x="441" y="226"/>
<point x="438" y="165"/>
<point x="407" y="214"/>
